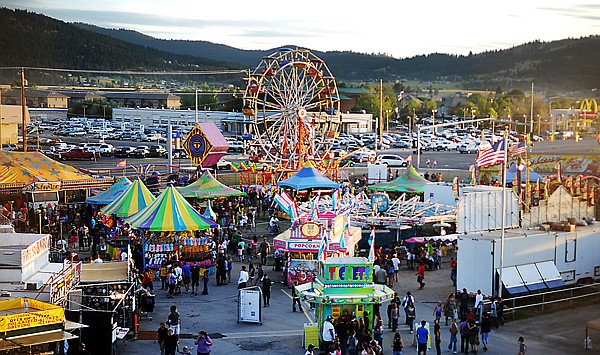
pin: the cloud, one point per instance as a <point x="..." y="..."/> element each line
<point x="275" y="34"/>
<point x="589" y="12"/>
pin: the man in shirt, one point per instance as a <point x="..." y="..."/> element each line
<point x="422" y="338"/>
<point x="421" y="275"/>
<point x="266" y="288"/>
<point x="396" y="263"/>
<point x="453" y="265"/>
<point x="478" y="302"/>
<point x="264" y="249"/>
<point x="187" y="276"/>
<point x="328" y="334"/>
<point x="243" y="279"/>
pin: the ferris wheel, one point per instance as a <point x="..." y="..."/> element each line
<point x="292" y="104"/>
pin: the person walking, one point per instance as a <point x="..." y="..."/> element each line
<point x="174" y="320"/>
<point x="163" y="276"/>
<point x="405" y="301"/>
<point x="397" y="344"/>
<point x="464" y="299"/>
<point x="453" y="266"/>
<point x="264" y="250"/>
<point x="522" y="346"/>
<point x="266" y="289"/>
<point x="203" y="343"/>
<point x="161" y="334"/>
<point x="295" y="299"/>
<point x="421" y="275"/>
<point x="243" y="278"/>
<point x="205" y="280"/>
<point x="171" y="343"/>
<point x="171" y="282"/>
<point x="396" y="263"/>
<point x="499" y="311"/>
<point x="411" y="314"/>
<point x="437" y="312"/>
<point x="450" y="308"/>
<point x="395" y="314"/>
<point x="195" y="274"/>
<point x="474" y="336"/>
<point x="486" y="329"/>
<point x="464" y="336"/>
<point x="328" y="334"/>
<point x="453" y="335"/>
<point x="147" y="280"/>
<point x="422" y="338"/>
<point x="437" y="335"/>
<point x="352" y="343"/>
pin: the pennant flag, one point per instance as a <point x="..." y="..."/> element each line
<point x="314" y="214"/>
<point x="234" y="167"/>
<point x="409" y="159"/>
<point x="518" y="148"/>
<point x="253" y="167"/>
<point x="336" y="198"/>
<point x="286" y="204"/>
<point x="491" y="156"/>
<point x="243" y="165"/>
<point x="372" y="242"/>
<point x="322" y="254"/>
<point x="122" y="164"/>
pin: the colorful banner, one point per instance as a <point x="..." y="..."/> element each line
<point x="63" y="283"/>
<point x="35" y="249"/>
<point x="302" y="271"/>
<point x="570" y="163"/>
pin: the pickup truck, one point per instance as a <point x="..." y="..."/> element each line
<point x="79" y="153"/>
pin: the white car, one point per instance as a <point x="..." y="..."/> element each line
<point x="392" y="160"/>
<point x="236" y="146"/>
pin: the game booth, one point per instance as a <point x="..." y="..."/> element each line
<point x="344" y="284"/>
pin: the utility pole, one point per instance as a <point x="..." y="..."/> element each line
<point x="23" y="109"/>
<point x="531" y="115"/>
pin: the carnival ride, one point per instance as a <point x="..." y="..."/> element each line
<point x="291" y="107"/>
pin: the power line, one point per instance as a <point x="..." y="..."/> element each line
<point x="131" y="72"/>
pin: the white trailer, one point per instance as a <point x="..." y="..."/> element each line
<point x="533" y="260"/>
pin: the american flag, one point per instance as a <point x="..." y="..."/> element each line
<point x="518" y="148"/>
<point x="491" y="156"/>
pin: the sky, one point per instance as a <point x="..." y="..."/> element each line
<point x="393" y="27"/>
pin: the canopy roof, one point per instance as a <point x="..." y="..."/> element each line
<point x="410" y="181"/>
<point x="208" y="187"/>
<point x="108" y="196"/>
<point x="307" y="178"/>
<point x="511" y="175"/>
<point x="134" y="199"/>
<point x="27" y="168"/>
<point x="170" y="212"/>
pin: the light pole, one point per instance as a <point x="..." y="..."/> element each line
<point x="104" y="111"/>
<point x="387" y="119"/>
<point x="433" y="112"/>
<point x="84" y="107"/>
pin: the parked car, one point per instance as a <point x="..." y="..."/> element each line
<point x="467" y="148"/>
<point x="155" y="151"/>
<point x="79" y="153"/>
<point x="9" y="147"/>
<point x="178" y="154"/>
<point x="236" y="146"/>
<point x="401" y="144"/>
<point x="123" y="152"/>
<point x="392" y="160"/>
<point x="140" y="152"/>
<point x="223" y="164"/>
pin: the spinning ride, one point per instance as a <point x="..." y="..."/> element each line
<point x="292" y="109"/>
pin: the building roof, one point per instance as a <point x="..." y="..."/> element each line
<point x="32" y="93"/>
<point x="141" y="95"/>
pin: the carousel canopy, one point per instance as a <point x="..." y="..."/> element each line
<point x="308" y="178"/>
<point x="34" y="167"/>
<point x="170" y="212"/>
<point x="108" y="196"/>
<point x="208" y="187"/>
<point x="410" y="181"/>
<point x="511" y="175"/>
<point x="134" y="199"/>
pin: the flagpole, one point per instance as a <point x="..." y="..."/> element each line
<point x="503" y="219"/>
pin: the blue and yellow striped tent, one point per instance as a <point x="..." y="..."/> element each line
<point x="134" y="199"/>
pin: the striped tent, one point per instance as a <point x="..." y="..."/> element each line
<point x="133" y="200"/>
<point x="108" y="196"/>
<point x="410" y="181"/>
<point x="170" y="212"/>
<point x="208" y="187"/>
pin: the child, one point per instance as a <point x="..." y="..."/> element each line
<point x="185" y="351"/>
<point x="522" y="346"/>
<point x="437" y="312"/>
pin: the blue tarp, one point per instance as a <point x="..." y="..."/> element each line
<point x="108" y="196"/>
<point x="511" y="175"/>
<point x="308" y="178"/>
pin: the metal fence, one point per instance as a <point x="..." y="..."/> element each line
<point x="542" y="301"/>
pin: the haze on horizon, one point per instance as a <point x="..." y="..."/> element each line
<point x="399" y="29"/>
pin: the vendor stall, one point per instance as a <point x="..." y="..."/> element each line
<point x="111" y="194"/>
<point x="302" y="246"/>
<point x="344" y="284"/>
<point x="134" y="199"/>
<point x="410" y="181"/>
<point x="29" y="326"/>
<point x="170" y="212"/>
<point x="207" y="187"/>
